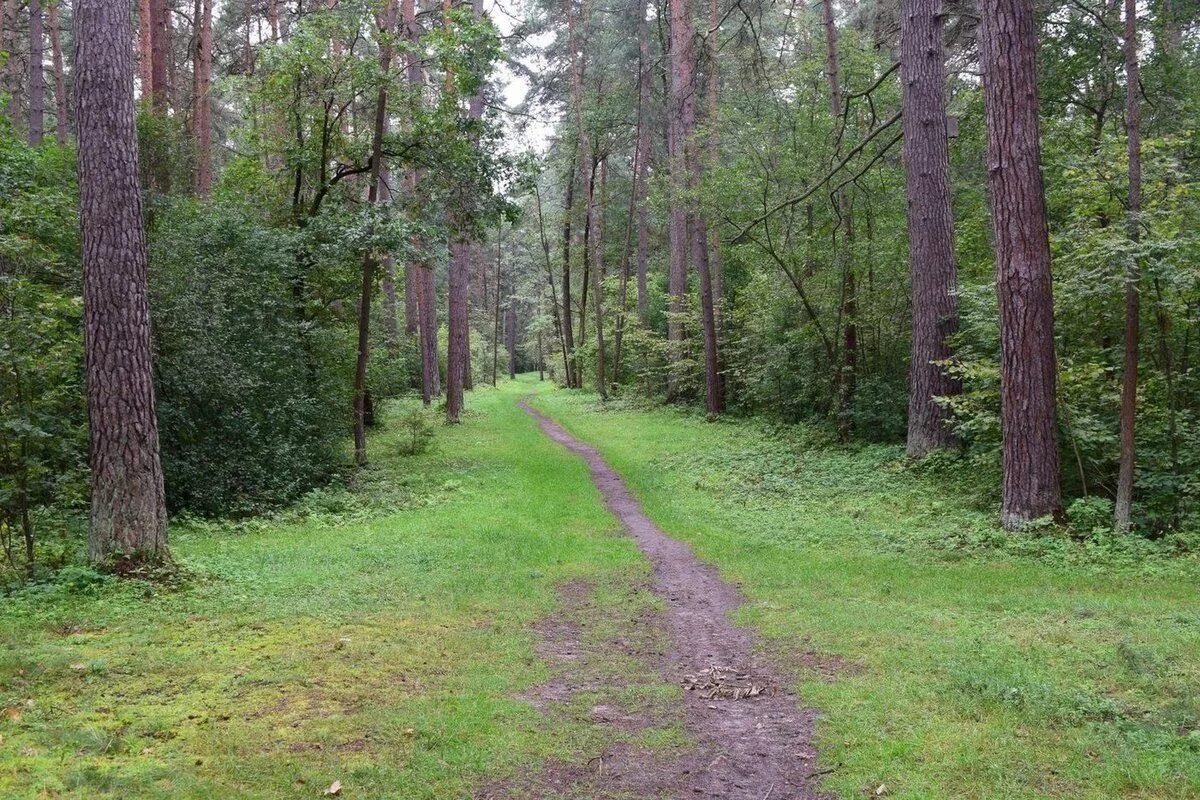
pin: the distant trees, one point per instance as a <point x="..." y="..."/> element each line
<point x="129" y="515"/>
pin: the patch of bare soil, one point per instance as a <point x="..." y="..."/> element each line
<point x="751" y="738"/>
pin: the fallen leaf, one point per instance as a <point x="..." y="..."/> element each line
<point x="13" y="713"/>
<point x="409" y="731"/>
<point x="882" y="790"/>
<point x="335" y="788"/>
<point x="78" y="665"/>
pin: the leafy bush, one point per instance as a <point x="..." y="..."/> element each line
<point x="251" y="390"/>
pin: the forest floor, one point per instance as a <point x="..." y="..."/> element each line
<point x="474" y="622"/>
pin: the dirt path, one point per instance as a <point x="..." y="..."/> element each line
<point x="752" y="739"/>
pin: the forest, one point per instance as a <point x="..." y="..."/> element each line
<point x="554" y="398"/>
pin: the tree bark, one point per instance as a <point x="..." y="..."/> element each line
<point x="687" y="169"/>
<point x="643" y="162"/>
<point x="596" y="254"/>
<point x="37" y="76"/>
<point x="496" y="319"/>
<point x="934" y="275"/>
<point x="61" y="123"/>
<point x="568" y="330"/>
<point x="387" y="282"/>
<point x="1028" y="368"/>
<point x="145" y="47"/>
<point x="1124" y="505"/>
<point x="681" y="104"/>
<point x="128" y="509"/>
<point x="386" y="22"/>
<point x="202" y="98"/>
<point x="847" y="374"/>
<point x="160" y="54"/>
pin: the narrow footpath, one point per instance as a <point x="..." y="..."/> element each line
<point x="752" y="739"/>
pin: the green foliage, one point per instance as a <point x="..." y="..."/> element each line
<point x="43" y="438"/>
<point x="417" y="432"/>
<point x="251" y="389"/>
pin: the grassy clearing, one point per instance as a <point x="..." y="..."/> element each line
<point x="964" y="664"/>
<point x="382" y="648"/>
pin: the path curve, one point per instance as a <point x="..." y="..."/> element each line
<point x="754" y="741"/>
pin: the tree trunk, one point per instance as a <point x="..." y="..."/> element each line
<point x="1028" y="369"/>
<point x="273" y="17"/>
<point x="1133" y="113"/>
<point x="596" y="254"/>
<point x="934" y="275"/>
<point x="496" y="318"/>
<point x="687" y="168"/>
<point x="37" y="75"/>
<point x="511" y="338"/>
<point x="160" y="54"/>
<point x="643" y="162"/>
<point x="847" y="375"/>
<point x="387" y="282"/>
<point x="713" y="89"/>
<point x="12" y="68"/>
<point x="145" y="47"/>
<point x="60" y="92"/>
<point x="431" y="383"/>
<point x="568" y="330"/>
<point x="386" y="22"/>
<point x="202" y="98"/>
<point x="681" y="104"/>
<point x="128" y="511"/>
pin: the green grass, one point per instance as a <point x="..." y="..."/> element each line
<point x="947" y="660"/>
<point x="384" y="649"/>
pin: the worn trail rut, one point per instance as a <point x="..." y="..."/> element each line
<point x="752" y="739"/>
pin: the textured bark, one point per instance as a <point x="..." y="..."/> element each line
<point x="61" y="124"/>
<point x="1028" y="370"/>
<point x="457" y="311"/>
<point x="145" y="47"/>
<point x="37" y="76"/>
<point x="934" y="275"/>
<point x="160" y="54"/>
<point x="202" y="98"/>
<point x="273" y="17"/>
<point x="386" y="22"/>
<point x="577" y="24"/>
<point x="510" y="341"/>
<point x="1133" y="114"/>
<point x="496" y="308"/>
<point x="128" y="510"/>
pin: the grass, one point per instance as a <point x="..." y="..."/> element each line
<point x="383" y="649"/>
<point x="948" y="660"/>
<point x="383" y="638"/>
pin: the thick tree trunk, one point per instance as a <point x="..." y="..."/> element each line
<point x="202" y="98"/>
<point x="1133" y="114"/>
<point x="496" y="318"/>
<point x="128" y="513"/>
<point x="12" y="67"/>
<point x="934" y="275"/>
<point x="712" y="48"/>
<point x="677" y="231"/>
<point x="37" y="75"/>
<point x="1028" y="368"/>
<point x="386" y="23"/>
<point x="61" y="123"/>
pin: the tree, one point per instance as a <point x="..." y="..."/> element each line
<point x="1028" y="366"/>
<point x="60" y="91"/>
<point x="1133" y="278"/>
<point x="37" y="78"/>
<point x="202" y="98"/>
<point x="128" y="510"/>
<point x="930" y="225"/>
